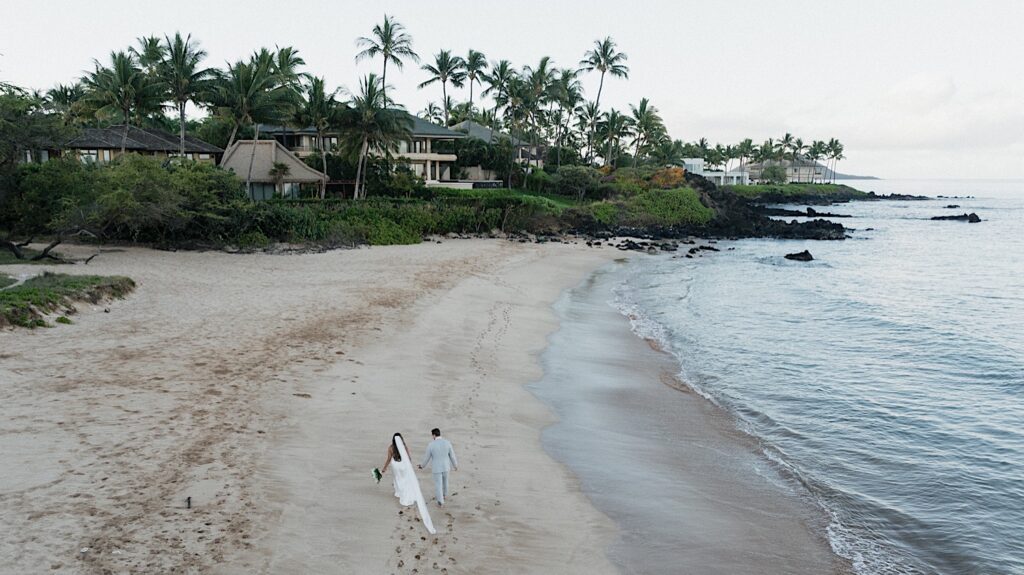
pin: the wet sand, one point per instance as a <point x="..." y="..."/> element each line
<point x="690" y="493"/>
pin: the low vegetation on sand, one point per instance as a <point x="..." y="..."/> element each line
<point x="6" y="281"/>
<point x="28" y="304"/>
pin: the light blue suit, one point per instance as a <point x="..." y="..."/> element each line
<point x="441" y="458"/>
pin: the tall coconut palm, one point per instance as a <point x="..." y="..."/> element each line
<point x="502" y="73"/>
<point x="250" y="94"/>
<point x="476" y="68"/>
<point x="185" y="80"/>
<point x="390" y="40"/>
<point x="368" y="124"/>
<point x="604" y="58"/>
<point x="668" y="152"/>
<point x="124" y="88"/>
<point x="835" y="153"/>
<point x="568" y="94"/>
<point x="539" y="80"/>
<point x="745" y="150"/>
<point x="647" y="125"/>
<point x="446" y="68"/>
<point x="319" y="109"/>
<point x="815" y="152"/>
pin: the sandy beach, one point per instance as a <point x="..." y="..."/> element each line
<point x="266" y="388"/>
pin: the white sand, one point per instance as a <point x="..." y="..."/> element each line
<point x="266" y="388"/>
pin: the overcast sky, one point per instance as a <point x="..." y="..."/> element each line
<point x="914" y="89"/>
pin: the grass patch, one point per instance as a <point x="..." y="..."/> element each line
<point x="782" y="193"/>
<point x="668" y="208"/>
<point x="26" y="304"/>
<point x="6" y="281"/>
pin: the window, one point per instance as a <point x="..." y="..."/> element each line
<point x="105" y="155"/>
<point x="205" y="156"/>
<point x="88" y="156"/>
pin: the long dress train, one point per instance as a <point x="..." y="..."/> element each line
<point x="407" y="485"/>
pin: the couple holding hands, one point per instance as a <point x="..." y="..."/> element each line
<point x="439" y="455"/>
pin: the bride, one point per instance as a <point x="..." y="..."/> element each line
<point x="407" y="486"/>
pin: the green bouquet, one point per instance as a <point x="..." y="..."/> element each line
<point x="377" y="474"/>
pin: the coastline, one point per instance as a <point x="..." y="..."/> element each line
<point x="685" y="485"/>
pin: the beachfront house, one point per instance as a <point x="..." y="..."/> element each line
<point x="276" y="172"/>
<point x="418" y="153"/>
<point x="524" y="151"/>
<point x="717" y="177"/>
<point x="102" y="145"/>
<point x="799" y="170"/>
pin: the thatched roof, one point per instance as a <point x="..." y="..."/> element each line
<point x="267" y="153"/>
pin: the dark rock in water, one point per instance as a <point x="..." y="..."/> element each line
<point x="971" y="218"/>
<point x="804" y="256"/>
<point x="952" y="206"/>
<point x="708" y="248"/>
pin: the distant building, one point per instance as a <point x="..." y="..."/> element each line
<point x="435" y="168"/>
<point x="104" y="144"/>
<point x="801" y="170"/>
<point x="264" y="155"/>
<point x="717" y="177"/>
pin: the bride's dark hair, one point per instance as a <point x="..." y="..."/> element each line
<point x="395" y="454"/>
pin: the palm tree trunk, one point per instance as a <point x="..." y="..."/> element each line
<point x="444" y="101"/>
<point x="323" y="159"/>
<point x="252" y="157"/>
<point x="636" y="152"/>
<point x="181" y="128"/>
<point x="384" y="82"/>
<point x="124" y="136"/>
<point x="593" y="121"/>
<point x="234" y="131"/>
<point x="359" y="169"/>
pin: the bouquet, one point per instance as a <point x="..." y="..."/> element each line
<point x="377" y="474"/>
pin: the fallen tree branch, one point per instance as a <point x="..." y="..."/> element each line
<point x="25" y="243"/>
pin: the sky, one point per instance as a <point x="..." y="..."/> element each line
<point x="914" y="89"/>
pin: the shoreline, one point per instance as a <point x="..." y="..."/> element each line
<point x="670" y="467"/>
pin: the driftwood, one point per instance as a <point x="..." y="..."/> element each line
<point x="15" y="248"/>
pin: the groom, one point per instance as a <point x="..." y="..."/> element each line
<point x="440" y="454"/>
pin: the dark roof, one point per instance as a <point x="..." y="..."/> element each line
<point x="420" y="128"/>
<point x="481" y="132"/>
<point x="144" y="139"/>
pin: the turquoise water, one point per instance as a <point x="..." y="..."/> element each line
<point x="885" y="378"/>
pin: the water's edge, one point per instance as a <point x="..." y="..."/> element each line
<point x="684" y="484"/>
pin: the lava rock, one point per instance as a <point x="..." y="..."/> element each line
<point x="804" y="256"/>
<point x="970" y="218"/>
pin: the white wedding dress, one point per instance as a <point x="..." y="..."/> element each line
<point x="407" y="486"/>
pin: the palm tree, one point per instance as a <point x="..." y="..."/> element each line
<point x="432" y="113"/>
<point x="744" y="150"/>
<point x="613" y="128"/>
<point x="446" y="68"/>
<point x="797" y="149"/>
<point x="318" y="109"/>
<point x="368" y="124"/>
<point x="815" y="152"/>
<point x="568" y="94"/>
<point x="250" y="94"/>
<point x="123" y="87"/>
<point x="604" y="58"/>
<point x="835" y="153"/>
<point x="498" y="79"/>
<point x="476" y="68"/>
<point x="668" y="152"/>
<point x="389" y="40"/>
<point x="179" y="70"/>
<point x="66" y="100"/>
<point x="539" y="81"/>
<point x="278" y="171"/>
<point x="150" y="53"/>
<point x="647" y="125"/>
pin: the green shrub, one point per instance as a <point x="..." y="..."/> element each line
<point x="605" y="212"/>
<point x="774" y="175"/>
<point x="681" y="206"/>
<point x="252" y="240"/>
<point x="578" y="181"/>
<point x="64" y="320"/>
<point x="24" y="305"/>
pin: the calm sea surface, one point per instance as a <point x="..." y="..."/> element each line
<point x="885" y="378"/>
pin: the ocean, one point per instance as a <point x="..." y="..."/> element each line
<point x="882" y="383"/>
